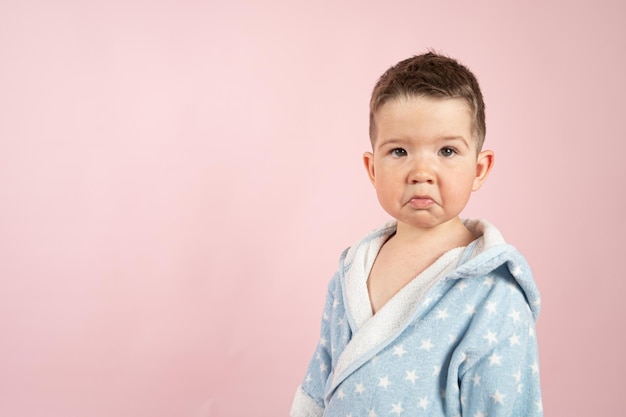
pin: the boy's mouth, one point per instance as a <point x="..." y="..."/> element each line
<point x="421" y="202"/>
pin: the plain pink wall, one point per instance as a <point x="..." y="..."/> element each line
<point x="178" y="178"/>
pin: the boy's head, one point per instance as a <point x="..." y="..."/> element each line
<point x="434" y="76"/>
<point x="427" y="125"/>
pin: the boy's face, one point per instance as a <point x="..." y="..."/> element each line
<point x="425" y="164"/>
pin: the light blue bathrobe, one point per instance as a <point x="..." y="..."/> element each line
<point x="458" y="340"/>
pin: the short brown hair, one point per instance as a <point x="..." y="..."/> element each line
<point x="430" y="75"/>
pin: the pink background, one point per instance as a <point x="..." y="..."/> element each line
<point x="178" y="178"/>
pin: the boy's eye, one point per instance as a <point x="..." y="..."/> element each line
<point x="398" y="152"/>
<point x="447" y="151"/>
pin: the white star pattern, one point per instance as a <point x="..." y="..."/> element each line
<point x="359" y="388"/>
<point x="436" y="370"/>
<point x="384" y="382"/>
<point x="340" y="394"/>
<point x="397" y="408"/>
<point x="539" y="405"/>
<point x="515" y="315"/>
<point x="470" y="309"/>
<point x="476" y="380"/>
<point x="461" y="285"/>
<point x="495" y="359"/>
<point x="518" y="376"/>
<point x="479" y="414"/>
<point x="535" y="368"/>
<point x="489" y="281"/>
<point x="424" y="403"/>
<point x="517" y="271"/>
<point x="399" y="351"/>
<point x="514" y="340"/>
<point x="427" y="345"/>
<point x="372" y="413"/>
<point x="491" y="337"/>
<point x="491" y="307"/>
<point x="498" y="397"/>
<point x="411" y="376"/>
<point x="323" y="341"/>
<point x="442" y="313"/>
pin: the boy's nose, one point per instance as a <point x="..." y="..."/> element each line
<point x="421" y="172"/>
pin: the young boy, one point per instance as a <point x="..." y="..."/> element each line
<point x="429" y="315"/>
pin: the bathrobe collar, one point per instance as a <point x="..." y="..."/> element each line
<point x="371" y="333"/>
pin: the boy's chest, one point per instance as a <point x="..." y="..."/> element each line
<point x="389" y="274"/>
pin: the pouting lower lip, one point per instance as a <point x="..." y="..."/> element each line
<point x="421" y="198"/>
<point x="421" y="201"/>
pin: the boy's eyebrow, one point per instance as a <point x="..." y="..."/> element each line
<point x="399" y="141"/>
<point x="390" y="141"/>
<point x="461" y="138"/>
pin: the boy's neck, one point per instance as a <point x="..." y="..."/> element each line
<point x="446" y="236"/>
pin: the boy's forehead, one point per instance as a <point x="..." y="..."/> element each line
<point x="420" y="108"/>
<point x="440" y="114"/>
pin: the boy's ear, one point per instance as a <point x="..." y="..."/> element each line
<point x="368" y="161"/>
<point x="484" y="163"/>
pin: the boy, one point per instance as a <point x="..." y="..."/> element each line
<point x="429" y="315"/>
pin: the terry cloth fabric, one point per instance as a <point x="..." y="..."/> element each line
<point x="458" y="340"/>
